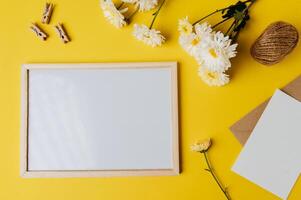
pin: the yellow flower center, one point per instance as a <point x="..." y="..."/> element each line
<point x="212" y="75"/>
<point x="147" y="36"/>
<point x="195" y="41"/>
<point x="212" y="53"/>
<point x="185" y="29"/>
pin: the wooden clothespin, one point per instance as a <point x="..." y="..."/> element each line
<point x="47" y="13"/>
<point x="62" y="33"/>
<point x="38" y="31"/>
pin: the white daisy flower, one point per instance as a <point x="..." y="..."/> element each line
<point x="216" y="55"/>
<point x="212" y="78"/>
<point x="224" y="42"/>
<point x="112" y="14"/>
<point x="204" y="29"/>
<point x="214" y="58"/>
<point x="150" y="37"/>
<point x="190" y="43"/>
<point x="201" y="146"/>
<point x="184" y="26"/>
<point x="146" y="5"/>
<point x="194" y="43"/>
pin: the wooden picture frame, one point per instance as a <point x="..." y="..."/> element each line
<point x="25" y="110"/>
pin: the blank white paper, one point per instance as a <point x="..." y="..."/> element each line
<point x="271" y="156"/>
<point x="100" y="119"/>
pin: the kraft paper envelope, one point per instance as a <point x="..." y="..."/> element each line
<point x="244" y="127"/>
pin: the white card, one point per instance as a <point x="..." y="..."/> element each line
<point x="271" y="156"/>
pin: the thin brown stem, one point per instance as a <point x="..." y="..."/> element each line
<point x="129" y="17"/>
<point x="210" y="169"/>
<point x="156" y="14"/>
<point x="219" y="10"/>
<point x="234" y="35"/>
<point x="229" y="29"/>
<point x="219" y="23"/>
<point x="122" y="3"/>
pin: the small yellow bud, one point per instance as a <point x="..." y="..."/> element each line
<point x="201" y="146"/>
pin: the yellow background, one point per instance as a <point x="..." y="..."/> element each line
<point x="204" y="111"/>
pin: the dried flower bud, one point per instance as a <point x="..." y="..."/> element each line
<point x="201" y="146"/>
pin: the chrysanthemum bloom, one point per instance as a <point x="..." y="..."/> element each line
<point x="212" y="50"/>
<point x="112" y="14"/>
<point x="150" y="37"/>
<point x="143" y="5"/>
<point x="194" y="42"/>
<point x="146" y="5"/>
<point x="201" y="146"/>
<point x="215" y="56"/>
<point x="212" y="78"/>
<point x="185" y="27"/>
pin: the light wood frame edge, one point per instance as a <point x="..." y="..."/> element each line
<point x="25" y="173"/>
<point x="24" y="120"/>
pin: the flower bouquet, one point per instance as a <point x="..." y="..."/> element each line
<point x="213" y="49"/>
<point x="119" y="17"/>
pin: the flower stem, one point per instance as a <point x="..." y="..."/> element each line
<point x="232" y="33"/>
<point x="220" y="22"/>
<point x="230" y="28"/>
<point x="122" y="3"/>
<point x="219" y="10"/>
<point x="156" y="14"/>
<point x="210" y="169"/>
<point x="129" y="17"/>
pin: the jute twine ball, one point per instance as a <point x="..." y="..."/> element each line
<point x="277" y="41"/>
